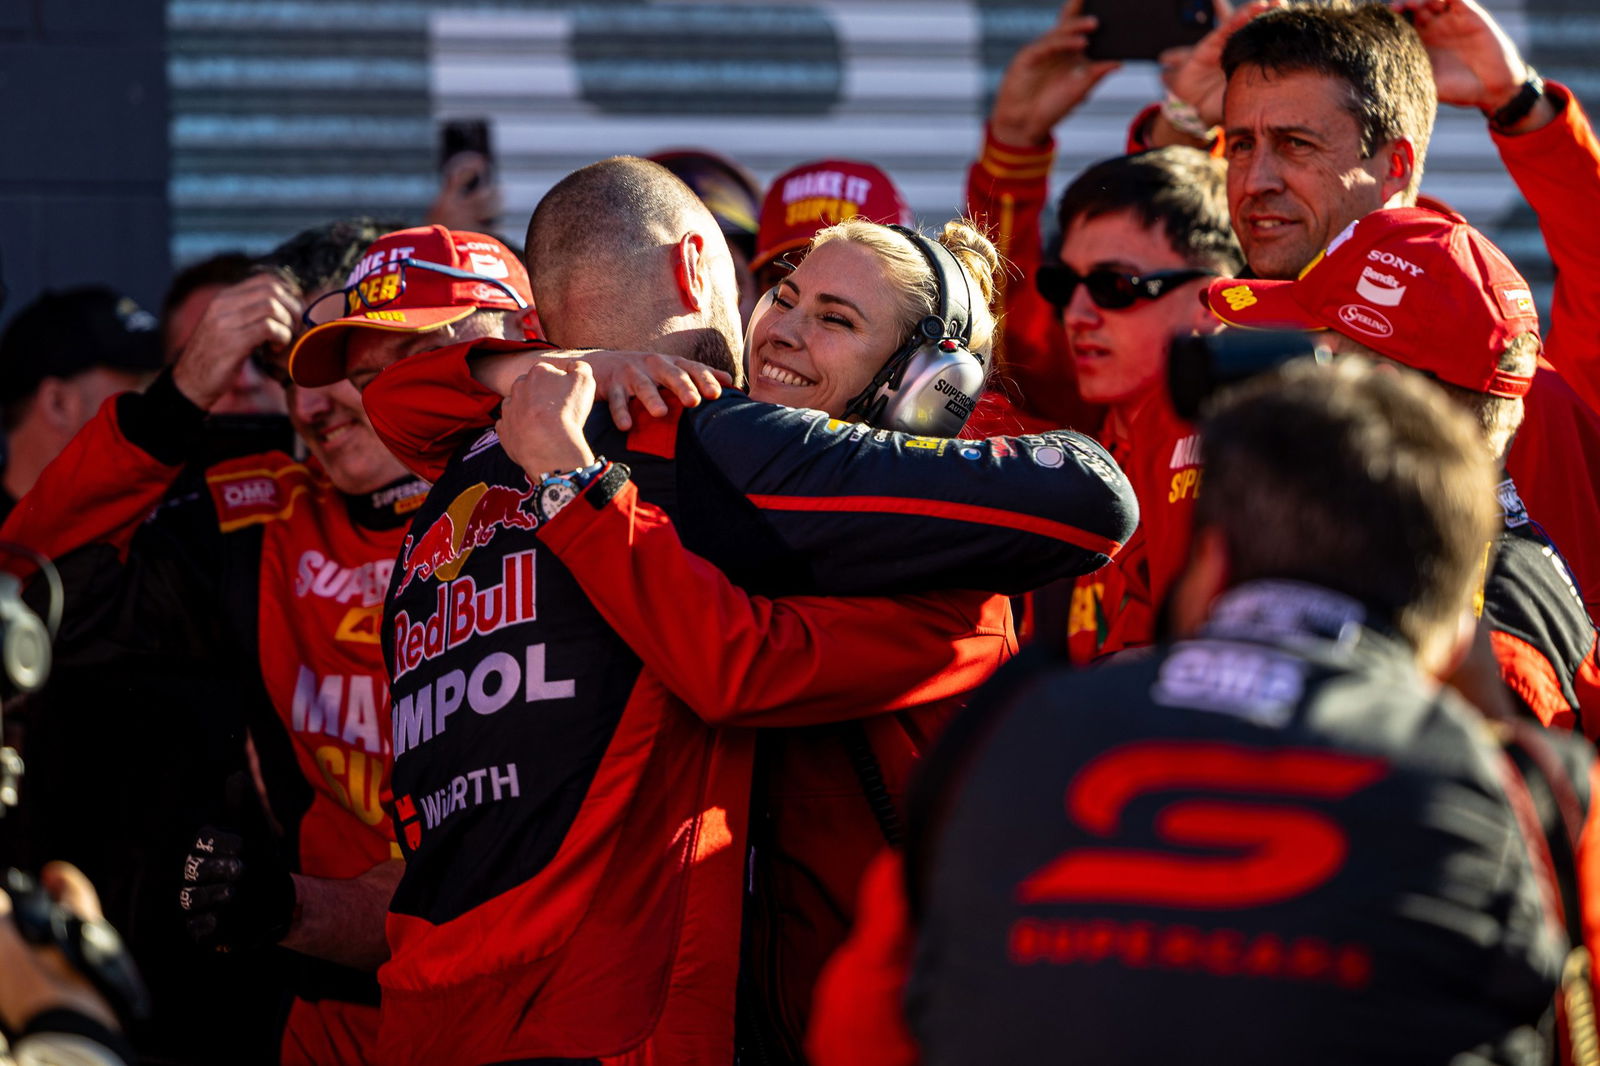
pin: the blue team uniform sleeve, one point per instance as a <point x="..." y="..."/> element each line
<point x="795" y="502"/>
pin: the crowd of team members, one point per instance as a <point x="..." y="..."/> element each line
<point x="566" y="681"/>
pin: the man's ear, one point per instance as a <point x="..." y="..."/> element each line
<point x="1400" y="163"/>
<point x="689" y="263"/>
<point x="58" y="404"/>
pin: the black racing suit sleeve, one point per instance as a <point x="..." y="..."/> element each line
<point x="132" y="531"/>
<point x="157" y="598"/>
<point x="790" y="501"/>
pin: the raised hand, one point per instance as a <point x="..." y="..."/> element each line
<point x="1194" y="75"/>
<point x="258" y="312"/>
<point x="469" y="197"/>
<point x="1474" y="63"/>
<point x="1047" y="79"/>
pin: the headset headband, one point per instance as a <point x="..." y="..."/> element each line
<point x="952" y="309"/>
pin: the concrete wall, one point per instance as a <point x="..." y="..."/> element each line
<point x="83" y="167"/>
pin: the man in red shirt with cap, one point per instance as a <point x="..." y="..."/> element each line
<point x="1424" y="289"/>
<point x="277" y="567"/>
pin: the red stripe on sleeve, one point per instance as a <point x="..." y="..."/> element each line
<point x="959" y="512"/>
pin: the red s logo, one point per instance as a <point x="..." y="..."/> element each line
<point x="1262" y="853"/>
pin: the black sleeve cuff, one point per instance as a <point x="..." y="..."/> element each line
<point x="605" y="487"/>
<point x="65" y="1020"/>
<point x="162" y="420"/>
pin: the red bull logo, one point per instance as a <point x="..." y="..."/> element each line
<point x="470" y="522"/>
<point x="462" y="611"/>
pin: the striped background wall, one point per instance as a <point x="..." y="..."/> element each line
<point x="288" y="112"/>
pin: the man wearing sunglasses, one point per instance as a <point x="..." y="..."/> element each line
<point x="1140" y="233"/>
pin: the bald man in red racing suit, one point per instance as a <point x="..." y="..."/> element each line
<point x="756" y="487"/>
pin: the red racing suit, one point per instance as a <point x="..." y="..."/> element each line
<point x="1557" y="451"/>
<point x="1115" y="607"/>
<point x="608" y="829"/>
<point x="271" y="569"/>
<point x="1544" y="641"/>
<point x="1006" y="194"/>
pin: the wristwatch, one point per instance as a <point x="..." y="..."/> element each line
<point x="556" y="489"/>
<point x="1518" y="107"/>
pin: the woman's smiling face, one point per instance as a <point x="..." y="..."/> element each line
<point x="833" y="324"/>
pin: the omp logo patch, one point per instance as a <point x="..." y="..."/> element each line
<point x="254" y="492"/>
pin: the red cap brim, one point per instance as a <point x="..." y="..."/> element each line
<point x="1257" y="303"/>
<point x="317" y="358"/>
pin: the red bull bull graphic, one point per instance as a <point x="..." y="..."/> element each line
<point x="463" y="611"/>
<point x="470" y="522"/>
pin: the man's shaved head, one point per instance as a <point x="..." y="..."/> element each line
<point x="602" y="256"/>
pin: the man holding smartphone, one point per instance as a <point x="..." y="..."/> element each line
<point x="1085" y="334"/>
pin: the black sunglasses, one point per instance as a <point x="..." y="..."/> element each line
<point x="381" y="289"/>
<point x="1109" y="289"/>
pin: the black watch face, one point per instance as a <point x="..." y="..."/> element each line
<point x="554" y="495"/>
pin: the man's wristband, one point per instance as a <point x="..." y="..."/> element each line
<point x="1519" y="106"/>
<point x="1185" y="118"/>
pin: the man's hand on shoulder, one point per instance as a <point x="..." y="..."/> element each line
<point x="619" y="376"/>
<point x="624" y="376"/>
<point x="259" y="311"/>
<point x="541" y="421"/>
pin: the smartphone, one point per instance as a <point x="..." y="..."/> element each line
<point x="1143" y="29"/>
<point x="465" y="135"/>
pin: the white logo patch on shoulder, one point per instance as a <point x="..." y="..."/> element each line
<point x="1256" y="684"/>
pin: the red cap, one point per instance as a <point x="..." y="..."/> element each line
<point x="428" y="300"/>
<point x="1418" y="286"/>
<point x="813" y="196"/>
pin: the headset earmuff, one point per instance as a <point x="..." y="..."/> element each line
<point x="930" y="385"/>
